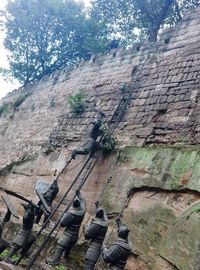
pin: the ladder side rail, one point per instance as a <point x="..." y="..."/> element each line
<point x="61" y="172"/>
<point x="118" y="106"/>
<point x="129" y="93"/>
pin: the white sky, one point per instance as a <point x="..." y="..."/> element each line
<point x="6" y="87"/>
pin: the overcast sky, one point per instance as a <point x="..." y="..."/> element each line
<point x="6" y="87"/>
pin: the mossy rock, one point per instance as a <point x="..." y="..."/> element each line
<point x="181" y="245"/>
<point x="147" y="229"/>
<point x="160" y="166"/>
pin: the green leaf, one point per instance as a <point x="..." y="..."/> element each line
<point x="43" y="36"/>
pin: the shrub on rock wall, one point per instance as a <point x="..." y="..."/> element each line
<point x="77" y="102"/>
<point x="18" y="101"/>
<point x="4" y="109"/>
<point x="108" y="145"/>
<point x="47" y="148"/>
<point x="9" y="107"/>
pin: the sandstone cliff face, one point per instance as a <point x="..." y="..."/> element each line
<point x="156" y="159"/>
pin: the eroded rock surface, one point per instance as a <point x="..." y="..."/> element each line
<point x="6" y="266"/>
<point x="162" y="210"/>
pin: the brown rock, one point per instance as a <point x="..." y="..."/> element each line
<point x="7" y="266"/>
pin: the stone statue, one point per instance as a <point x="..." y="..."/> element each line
<point x="3" y="243"/>
<point x="91" y="144"/>
<point x="10" y="211"/>
<point x="48" y="196"/>
<point x="116" y="256"/>
<point x="24" y="238"/>
<point x="95" y="232"/>
<point x="71" y="221"/>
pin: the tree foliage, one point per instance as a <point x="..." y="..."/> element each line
<point x="46" y="35"/>
<point x="139" y="19"/>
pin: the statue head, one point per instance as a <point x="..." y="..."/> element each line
<point x="123" y="232"/>
<point x="100" y="213"/>
<point x="54" y="188"/>
<point x="76" y="202"/>
<point x="28" y="206"/>
<point x="25" y="206"/>
<point x="55" y="184"/>
<point x="101" y="115"/>
<point x="99" y="119"/>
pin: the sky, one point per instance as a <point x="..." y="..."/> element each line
<point x="6" y="87"/>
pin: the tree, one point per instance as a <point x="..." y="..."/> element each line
<point x="139" y="19"/>
<point x="46" y="35"/>
<point x="118" y="16"/>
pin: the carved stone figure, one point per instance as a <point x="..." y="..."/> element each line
<point x="3" y="243"/>
<point x="24" y="237"/>
<point x="49" y="197"/>
<point x="10" y="211"/>
<point x="91" y="144"/>
<point x="95" y="232"/>
<point x="71" y="221"/>
<point x="116" y="256"/>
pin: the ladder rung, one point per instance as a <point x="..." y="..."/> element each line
<point x="80" y="178"/>
<point x="76" y="186"/>
<point x="74" y="189"/>
<point x="59" y="210"/>
<point x="88" y="166"/>
<point x="35" y="244"/>
<point x="65" y="202"/>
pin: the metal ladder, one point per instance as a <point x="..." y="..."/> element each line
<point x="77" y="184"/>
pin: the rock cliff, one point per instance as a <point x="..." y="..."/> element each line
<point x="157" y="158"/>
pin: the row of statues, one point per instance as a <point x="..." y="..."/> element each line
<point x="116" y="255"/>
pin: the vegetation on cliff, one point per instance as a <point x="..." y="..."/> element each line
<point x="139" y="19"/>
<point x="77" y="102"/>
<point x="10" y="107"/>
<point x="43" y="36"/>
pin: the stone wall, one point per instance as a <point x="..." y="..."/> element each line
<point x="164" y="105"/>
<point x="156" y="159"/>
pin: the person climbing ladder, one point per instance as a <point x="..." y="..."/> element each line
<point x="91" y="144"/>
